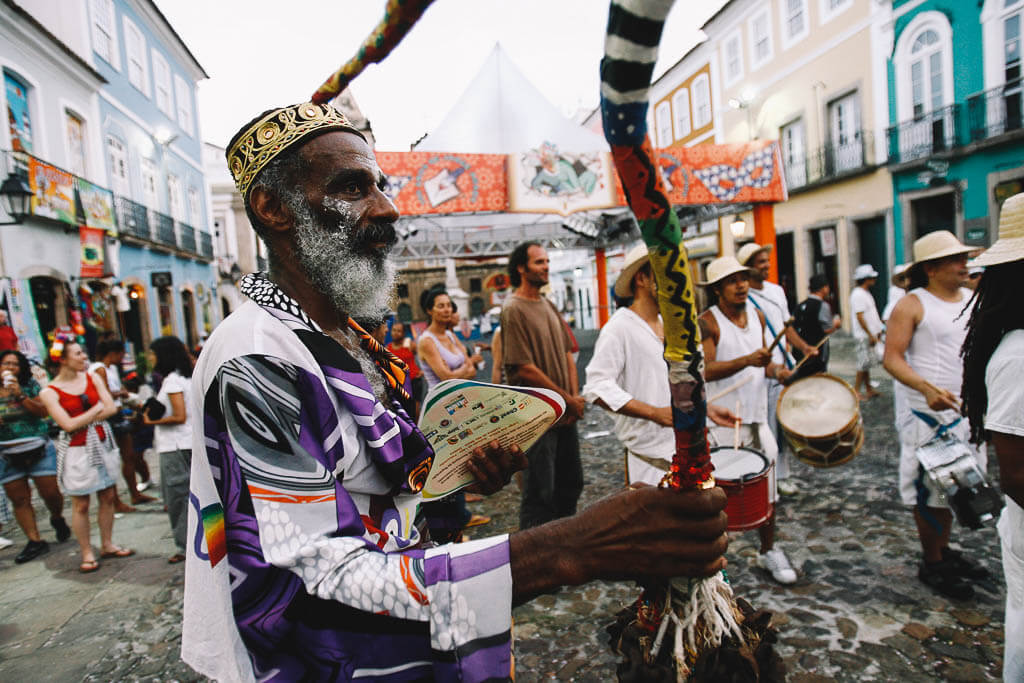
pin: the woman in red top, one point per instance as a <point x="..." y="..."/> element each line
<point x="405" y="348"/>
<point x="88" y="458"/>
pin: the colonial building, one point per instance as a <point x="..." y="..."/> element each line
<point x="955" y="141"/>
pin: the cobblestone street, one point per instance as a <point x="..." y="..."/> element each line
<point x="858" y="611"/>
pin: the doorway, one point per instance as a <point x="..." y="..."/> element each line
<point x="824" y="261"/>
<point x="188" y="311"/>
<point x="937" y="212"/>
<point x="50" y="304"/>
<point x="787" y="266"/>
<point x="873" y="250"/>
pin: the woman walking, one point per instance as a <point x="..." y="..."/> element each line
<point x="173" y="433"/>
<point x="27" y="452"/>
<point x="87" y="457"/>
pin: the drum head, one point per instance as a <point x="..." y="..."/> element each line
<point x="737" y="465"/>
<point x="817" y="406"/>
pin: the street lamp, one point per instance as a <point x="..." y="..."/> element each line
<point x="738" y="227"/>
<point x="15" y="195"/>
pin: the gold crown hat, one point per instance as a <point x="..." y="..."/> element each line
<point x="1010" y="244"/>
<point x="275" y="132"/>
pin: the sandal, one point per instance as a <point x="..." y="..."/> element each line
<point x="114" y="554"/>
<point x="88" y="566"/>
<point x="175" y="558"/>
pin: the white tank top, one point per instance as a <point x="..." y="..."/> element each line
<point x="113" y="378"/>
<point x="934" y="350"/>
<point x="733" y="342"/>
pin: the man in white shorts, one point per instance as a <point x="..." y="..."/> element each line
<point x="922" y="352"/>
<point x="867" y="328"/>
<point x="733" y="336"/>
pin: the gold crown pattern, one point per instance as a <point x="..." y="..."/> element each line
<point x="276" y="132"/>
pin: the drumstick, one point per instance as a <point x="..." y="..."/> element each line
<point x="778" y="337"/>
<point x="736" y="430"/>
<point x="815" y="348"/>
<point x="730" y="389"/>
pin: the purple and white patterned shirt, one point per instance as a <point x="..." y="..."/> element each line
<point x="305" y="560"/>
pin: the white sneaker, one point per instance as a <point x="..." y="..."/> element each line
<point x="776" y="562"/>
<point x="5" y="542"/>
<point x="787" y="487"/>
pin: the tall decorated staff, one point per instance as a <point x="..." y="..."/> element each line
<point x="399" y="17"/>
<point x="691" y="628"/>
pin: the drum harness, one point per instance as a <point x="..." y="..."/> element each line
<point x="949" y="463"/>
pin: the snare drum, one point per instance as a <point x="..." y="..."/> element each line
<point x="745" y="475"/>
<point x="820" y="417"/>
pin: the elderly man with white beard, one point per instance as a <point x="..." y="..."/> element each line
<point x="308" y="557"/>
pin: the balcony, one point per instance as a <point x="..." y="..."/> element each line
<point x="995" y="112"/>
<point x="936" y="132"/>
<point x="834" y="161"/>
<point x="133" y="218"/>
<point x="188" y="238"/>
<point x="205" y="245"/>
<point x="164" y="232"/>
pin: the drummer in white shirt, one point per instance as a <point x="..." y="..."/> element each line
<point x="628" y="377"/>
<point x="770" y="299"/>
<point x="735" y="341"/>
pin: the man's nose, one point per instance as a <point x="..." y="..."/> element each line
<point x="382" y="208"/>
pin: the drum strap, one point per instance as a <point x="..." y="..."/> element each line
<point x="940" y="429"/>
<point x="771" y="330"/>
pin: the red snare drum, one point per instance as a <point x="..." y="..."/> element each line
<point x="745" y="475"/>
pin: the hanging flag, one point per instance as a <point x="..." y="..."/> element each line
<point x="92" y="251"/>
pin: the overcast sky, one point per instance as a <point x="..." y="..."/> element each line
<point x="265" y="53"/>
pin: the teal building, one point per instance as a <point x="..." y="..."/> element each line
<point x="955" y="139"/>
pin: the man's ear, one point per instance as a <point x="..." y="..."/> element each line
<point x="270" y="210"/>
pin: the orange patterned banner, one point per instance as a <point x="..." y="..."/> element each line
<point x="437" y="182"/>
<point x="735" y="173"/>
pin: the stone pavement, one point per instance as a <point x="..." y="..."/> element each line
<point x="858" y="611"/>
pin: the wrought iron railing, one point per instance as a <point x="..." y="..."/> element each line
<point x="164" y="229"/>
<point x="132" y="218"/>
<point x="936" y="132"/>
<point x="188" y="238"/>
<point x="832" y="161"/>
<point x="996" y="111"/>
<point x="205" y="245"/>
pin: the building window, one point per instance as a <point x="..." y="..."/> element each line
<point x="162" y="84"/>
<point x="149" y="173"/>
<point x="76" y="143"/>
<point x="846" y="151"/>
<point x="663" y="124"/>
<point x="794" y="159"/>
<point x="183" y="95"/>
<point x="923" y="67"/>
<point x="118" y="158"/>
<point x="175" y="198"/>
<point x="794" y="21"/>
<point x="681" y="109"/>
<point x="104" y="32"/>
<point x="135" y="50"/>
<point x="195" y="208"/>
<point x="926" y="73"/>
<point x="760" y="27"/>
<point x="830" y="9"/>
<point x="733" y="58"/>
<point x="1011" y="48"/>
<point x="475" y="285"/>
<point x="19" y="117"/>
<point x="701" y="101"/>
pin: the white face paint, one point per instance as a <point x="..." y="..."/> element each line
<point x="357" y="283"/>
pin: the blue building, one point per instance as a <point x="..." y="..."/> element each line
<point x="153" y="155"/>
<point x="956" y="141"/>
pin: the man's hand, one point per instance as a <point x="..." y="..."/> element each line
<point x="493" y="467"/>
<point x="723" y="417"/>
<point x="940" y="399"/>
<point x="642" y="534"/>
<point x="759" y="358"/>
<point x="574" y="406"/>
<point x="808" y="350"/>
<point x="783" y="374"/>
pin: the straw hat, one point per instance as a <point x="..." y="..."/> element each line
<point x="748" y="250"/>
<point x="635" y="260"/>
<point x="721" y="268"/>
<point x="938" y="244"/>
<point x="1010" y="245"/>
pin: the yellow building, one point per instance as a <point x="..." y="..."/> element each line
<point x="810" y="73"/>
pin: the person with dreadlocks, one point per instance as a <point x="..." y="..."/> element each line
<point x="925" y="333"/>
<point x="993" y="355"/>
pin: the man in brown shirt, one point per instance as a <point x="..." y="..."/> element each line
<point x="537" y="352"/>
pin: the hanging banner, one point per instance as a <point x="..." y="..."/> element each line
<point x="98" y="203"/>
<point x="428" y="182"/>
<point x="92" y="251"/>
<point x="53" y="191"/>
<point x="735" y="173"/>
<point x="21" y="316"/>
<point x="546" y="180"/>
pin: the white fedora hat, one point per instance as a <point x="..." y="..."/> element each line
<point x="748" y="250"/>
<point x="635" y="260"/>
<point x="1010" y="245"/>
<point x="721" y="268"/>
<point x="864" y="271"/>
<point x="938" y="244"/>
